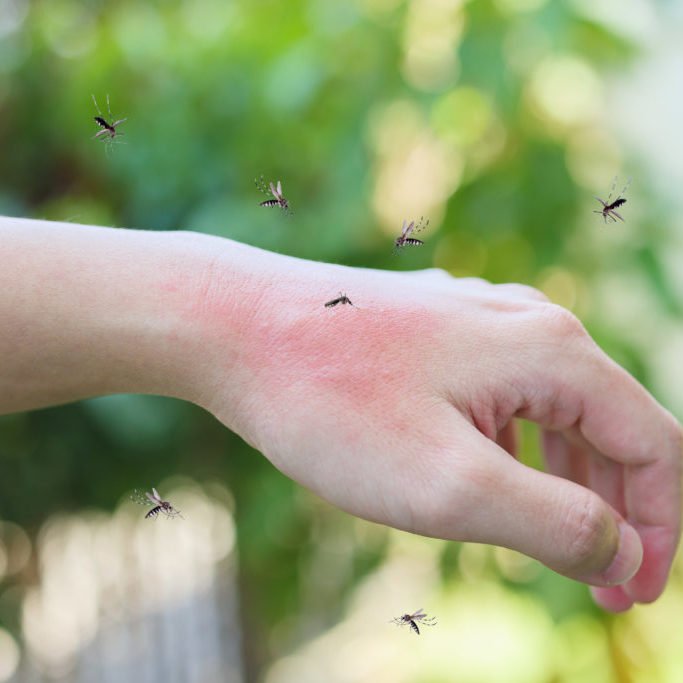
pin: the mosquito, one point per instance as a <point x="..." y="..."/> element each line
<point x="279" y="199"/>
<point x="108" y="129"/>
<point x="412" y="619"/>
<point x="341" y="299"/>
<point x="158" y="505"/>
<point x="410" y="229"/>
<point x="609" y="208"/>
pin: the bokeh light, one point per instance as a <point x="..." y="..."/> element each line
<point x="9" y="656"/>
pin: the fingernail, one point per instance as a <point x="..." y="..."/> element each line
<point x="628" y="557"/>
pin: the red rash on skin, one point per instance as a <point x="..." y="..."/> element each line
<point x="352" y="356"/>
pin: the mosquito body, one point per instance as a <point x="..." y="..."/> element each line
<point x="108" y="131"/>
<point x="341" y="299"/>
<point x="409" y="229"/>
<point x="276" y="191"/>
<point x="609" y="207"/>
<point x="413" y="619"/>
<point x="159" y="506"/>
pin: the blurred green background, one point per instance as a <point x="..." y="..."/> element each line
<point x="497" y="119"/>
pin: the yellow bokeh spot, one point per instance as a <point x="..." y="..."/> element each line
<point x="416" y="172"/>
<point x="461" y="257"/>
<point x="68" y="29"/>
<point x="564" y="92"/>
<point x="462" y="116"/>
<point x="582" y="651"/>
<point x="593" y="159"/>
<point x="433" y="30"/>
<point x="518" y="6"/>
<point x="559" y="285"/>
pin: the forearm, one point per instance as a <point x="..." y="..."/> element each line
<point x="86" y="311"/>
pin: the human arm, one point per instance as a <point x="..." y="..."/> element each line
<point x="398" y="409"/>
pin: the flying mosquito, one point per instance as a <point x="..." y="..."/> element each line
<point x="278" y="200"/>
<point x="341" y="299"/>
<point x="158" y="505"/>
<point x="108" y="131"/>
<point x="412" y="619"/>
<point x="609" y="208"/>
<point x="410" y="229"/>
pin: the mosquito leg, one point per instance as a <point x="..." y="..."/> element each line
<point x="96" y="107"/>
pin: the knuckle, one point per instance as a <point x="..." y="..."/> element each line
<point x="526" y="292"/>
<point x="561" y="322"/>
<point x="478" y="281"/>
<point x="437" y="274"/>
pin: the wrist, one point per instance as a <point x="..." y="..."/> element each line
<point x="87" y="311"/>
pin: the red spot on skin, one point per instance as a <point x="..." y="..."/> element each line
<point x="289" y="351"/>
<point x="287" y="373"/>
<point x="363" y="358"/>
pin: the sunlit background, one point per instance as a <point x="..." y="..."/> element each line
<point x="500" y="120"/>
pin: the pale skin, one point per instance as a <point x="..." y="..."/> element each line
<point x="401" y="410"/>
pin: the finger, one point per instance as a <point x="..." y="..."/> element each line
<point x="606" y="478"/>
<point x="613" y="599"/>
<point x="574" y="460"/>
<point x="563" y="459"/>
<point x="566" y="526"/>
<point x="508" y="438"/>
<point x="624" y="423"/>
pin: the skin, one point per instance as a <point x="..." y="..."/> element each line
<point x="401" y="410"/>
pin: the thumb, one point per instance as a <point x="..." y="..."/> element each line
<point x="565" y="526"/>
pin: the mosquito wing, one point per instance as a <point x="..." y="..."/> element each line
<point x="279" y="189"/>
<point x="119" y="122"/>
<point x="628" y="184"/>
<point x="154" y="497"/>
<point x="617" y="215"/>
<point x="274" y="191"/>
<point x="407" y="228"/>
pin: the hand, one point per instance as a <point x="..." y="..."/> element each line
<point x="401" y="409"/>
